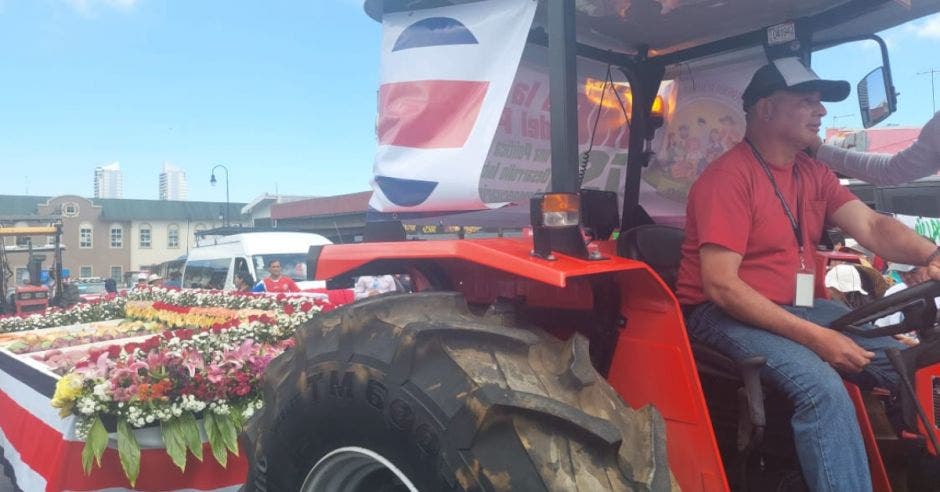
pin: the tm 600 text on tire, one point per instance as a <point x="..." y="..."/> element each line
<point x="414" y="392"/>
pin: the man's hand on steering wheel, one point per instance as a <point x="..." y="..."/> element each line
<point x="917" y="303"/>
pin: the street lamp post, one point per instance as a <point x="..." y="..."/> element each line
<point x="213" y="181"/>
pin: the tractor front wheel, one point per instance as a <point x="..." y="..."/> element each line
<point x="410" y="392"/>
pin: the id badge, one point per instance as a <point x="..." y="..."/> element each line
<point x="805" y="286"/>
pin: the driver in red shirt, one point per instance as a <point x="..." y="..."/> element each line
<point x="754" y="218"/>
<point x="277" y="282"/>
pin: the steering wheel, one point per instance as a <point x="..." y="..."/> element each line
<point x="916" y="303"/>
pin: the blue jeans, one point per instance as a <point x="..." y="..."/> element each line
<point x="828" y="440"/>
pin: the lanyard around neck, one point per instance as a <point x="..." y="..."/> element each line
<point x="794" y="220"/>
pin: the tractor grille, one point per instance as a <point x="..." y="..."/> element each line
<point x="936" y="402"/>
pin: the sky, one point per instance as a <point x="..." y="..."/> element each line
<point x="282" y="93"/>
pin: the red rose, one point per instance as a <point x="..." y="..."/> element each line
<point x="288" y="309"/>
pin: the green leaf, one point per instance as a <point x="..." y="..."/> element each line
<point x="173" y="440"/>
<point x="191" y="436"/>
<point x="128" y="450"/>
<point x="229" y="433"/>
<point x="236" y="415"/>
<point x="216" y="441"/>
<point x="98" y="440"/>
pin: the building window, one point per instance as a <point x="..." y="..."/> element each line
<point x="85" y="236"/>
<point x="117" y="273"/>
<point x="22" y="241"/>
<point x="70" y="209"/>
<point x="173" y="236"/>
<point x="145" y="235"/>
<point x="84" y="271"/>
<point x="50" y="240"/>
<point x="117" y="236"/>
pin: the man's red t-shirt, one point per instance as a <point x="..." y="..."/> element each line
<point x="733" y="205"/>
<point x="282" y="284"/>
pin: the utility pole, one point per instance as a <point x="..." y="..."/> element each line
<point x="933" y="95"/>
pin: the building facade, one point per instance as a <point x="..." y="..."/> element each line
<point x="109" y="181"/>
<point x="110" y="237"/>
<point x="172" y="183"/>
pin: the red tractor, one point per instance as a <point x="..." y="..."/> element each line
<point x="32" y="296"/>
<point x="544" y="363"/>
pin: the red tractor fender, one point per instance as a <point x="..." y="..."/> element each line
<point x="652" y="361"/>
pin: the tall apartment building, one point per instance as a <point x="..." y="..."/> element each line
<point x="172" y="183"/>
<point x="109" y="182"/>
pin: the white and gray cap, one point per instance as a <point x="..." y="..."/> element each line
<point x="791" y="75"/>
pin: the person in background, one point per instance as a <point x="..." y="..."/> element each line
<point x="275" y="281"/>
<point x="370" y="285"/>
<point x="845" y="285"/>
<point x="174" y="282"/>
<point x="244" y="282"/>
<point x="910" y="276"/>
<point x="141" y="281"/>
<point x="920" y="160"/>
<point x="155" y="280"/>
<point x="110" y="286"/>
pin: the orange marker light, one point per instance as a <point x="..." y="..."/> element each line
<point x="561" y="209"/>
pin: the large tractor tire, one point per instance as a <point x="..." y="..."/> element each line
<point x="411" y="392"/>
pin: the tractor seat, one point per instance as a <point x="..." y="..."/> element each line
<point x="660" y="247"/>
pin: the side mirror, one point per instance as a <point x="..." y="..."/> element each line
<point x="874" y="100"/>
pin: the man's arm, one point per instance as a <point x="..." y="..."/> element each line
<point x="884" y="235"/>
<point x="724" y="287"/>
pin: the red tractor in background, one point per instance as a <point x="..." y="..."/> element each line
<point x="543" y="363"/>
<point x="32" y="296"/>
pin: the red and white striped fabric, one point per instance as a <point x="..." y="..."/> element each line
<point x="43" y="453"/>
<point x="445" y="76"/>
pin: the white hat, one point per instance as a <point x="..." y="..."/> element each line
<point x="900" y="267"/>
<point x="153" y="277"/>
<point x="141" y="276"/>
<point x="844" y="278"/>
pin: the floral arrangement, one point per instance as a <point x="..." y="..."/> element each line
<point x="209" y="370"/>
<point x="80" y="313"/>
<point x="176" y="316"/>
<point x="49" y="339"/>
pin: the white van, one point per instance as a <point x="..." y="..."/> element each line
<point x="215" y="262"/>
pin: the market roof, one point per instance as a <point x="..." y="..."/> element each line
<point x="130" y="209"/>
<point x="330" y="205"/>
<point x="882" y="140"/>
<point x="122" y="209"/>
<point x="21" y="204"/>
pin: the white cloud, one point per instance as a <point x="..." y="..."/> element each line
<point x="88" y="7"/>
<point x="928" y="28"/>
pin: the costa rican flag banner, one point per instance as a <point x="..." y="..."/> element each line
<point x="445" y="76"/>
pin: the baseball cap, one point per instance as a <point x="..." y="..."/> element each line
<point x="790" y="74"/>
<point x="844" y="278"/>
<point x="141" y="276"/>
<point x="900" y="267"/>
